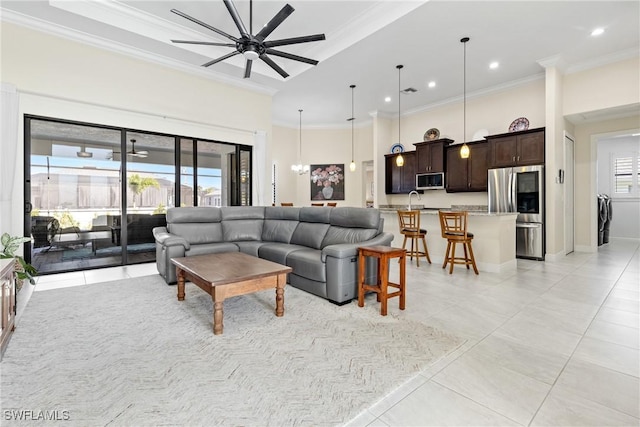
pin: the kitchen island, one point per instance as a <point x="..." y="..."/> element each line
<point x="494" y="241"/>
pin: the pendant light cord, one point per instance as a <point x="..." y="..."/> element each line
<point x="464" y="93"/>
<point x="352" y="119"/>
<point x="399" y="67"/>
<point x="300" y="139"/>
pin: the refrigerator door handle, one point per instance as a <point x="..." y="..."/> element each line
<point x="512" y="192"/>
<point x="528" y="225"/>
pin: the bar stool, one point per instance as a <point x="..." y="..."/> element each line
<point x="454" y="228"/>
<point x="332" y="204"/>
<point x="410" y="229"/>
<point x="317" y="204"/>
<point x="286" y="204"/>
<point x="383" y="254"/>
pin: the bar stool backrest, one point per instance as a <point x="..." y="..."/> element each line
<point x="453" y="223"/>
<point x="409" y="220"/>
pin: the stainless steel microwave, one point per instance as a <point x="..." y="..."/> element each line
<point x="430" y="181"/>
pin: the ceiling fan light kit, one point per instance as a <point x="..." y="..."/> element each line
<point x="253" y="46"/>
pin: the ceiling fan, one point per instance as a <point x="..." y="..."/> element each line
<point x="133" y="152"/>
<point x="252" y="46"/>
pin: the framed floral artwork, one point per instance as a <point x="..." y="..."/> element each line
<point x="327" y="182"/>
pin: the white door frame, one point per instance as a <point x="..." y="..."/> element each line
<point x="569" y="193"/>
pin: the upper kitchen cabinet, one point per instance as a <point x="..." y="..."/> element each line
<point x="467" y="174"/>
<point x="516" y="148"/>
<point x="400" y="179"/>
<point x="430" y="155"/>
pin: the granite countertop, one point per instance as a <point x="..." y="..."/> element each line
<point x="480" y="210"/>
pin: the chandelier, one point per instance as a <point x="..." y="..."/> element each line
<point x="299" y="168"/>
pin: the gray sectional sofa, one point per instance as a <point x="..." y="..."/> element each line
<point x="319" y="244"/>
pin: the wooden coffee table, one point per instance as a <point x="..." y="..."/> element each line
<point x="229" y="274"/>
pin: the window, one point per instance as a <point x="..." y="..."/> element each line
<point x="626" y="174"/>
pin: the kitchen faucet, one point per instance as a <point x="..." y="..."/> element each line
<point x="411" y="193"/>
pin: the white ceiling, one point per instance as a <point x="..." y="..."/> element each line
<point x="365" y="41"/>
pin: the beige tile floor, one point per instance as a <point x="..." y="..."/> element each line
<point x="550" y="344"/>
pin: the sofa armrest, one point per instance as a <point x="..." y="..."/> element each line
<point x="165" y="238"/>
<point x="347" y="250"/>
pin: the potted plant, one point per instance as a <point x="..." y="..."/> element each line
<point x="24" y="270"/>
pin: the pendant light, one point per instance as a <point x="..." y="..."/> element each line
<point x="399" y="158"/>
<point x="352" y="165"/>
<point x="464" y="150"/>
<point x="299" y="168"/>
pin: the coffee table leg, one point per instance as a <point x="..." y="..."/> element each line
<point x="180" y="274"/>
<point x="217" y="318"/>
<point x="282" y="281"/>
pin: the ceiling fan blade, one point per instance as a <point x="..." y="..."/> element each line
<point x="145" y="152"/>
<point x="273" y="65"/>
<point x="205" y="43"/>
<point x="222" y="58"/>
<point x="247" y="69"/>
<point x="275" y="22"/>
<point x="291" y="56"/>
<point x="196" y="21"/>
<point x="294" y="40"/>
<point x="236" y="18"/>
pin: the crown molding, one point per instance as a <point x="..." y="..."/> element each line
<point x="29" y="22"/>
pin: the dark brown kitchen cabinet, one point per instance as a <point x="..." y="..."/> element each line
<point x="400" y="179"/>
<point x="516" y="148"/>
<point x="430" y="155"/>
<point x="467" y="174"/>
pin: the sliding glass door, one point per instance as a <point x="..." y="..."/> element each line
<point x="74" y="194"/>
<point x="95" y="193"/>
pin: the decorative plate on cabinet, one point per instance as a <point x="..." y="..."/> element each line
<point x="397" y="148"/>
<point x="431" y="134"/>
<point x="518" y="124"/>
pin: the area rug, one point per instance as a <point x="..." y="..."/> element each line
<point x="128" y="353"/>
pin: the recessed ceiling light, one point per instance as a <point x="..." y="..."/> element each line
<point x="597" y="32"/>
<point x="432" y="84"/>
<point x="387" y="99"/>
<point x="494" y="65"/>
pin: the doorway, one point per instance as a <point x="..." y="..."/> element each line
<point x="569" y="189"/>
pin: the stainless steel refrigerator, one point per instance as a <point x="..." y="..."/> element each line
<point x="521" y="189"/>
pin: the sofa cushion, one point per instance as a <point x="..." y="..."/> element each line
<point x="249" y="247"/>
<point x="312" y="227"/>
<point x="279" y="224"/>
<point x="355" y="217"/>
<point x="277" y="252"/>
<point x="337" y="235"/>
<point x="242" y="223"/>
<point x="211" y="248"/>
<point x="193" y="214"/>
<point x="307" y="263"/>
<point x="196" y="225"/>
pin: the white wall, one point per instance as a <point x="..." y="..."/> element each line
<point x="626" y="211"/>
<point x="64" y="79"/>
<point x="320" y="146"/>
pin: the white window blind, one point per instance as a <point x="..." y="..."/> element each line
<point x="626" y="170"/>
